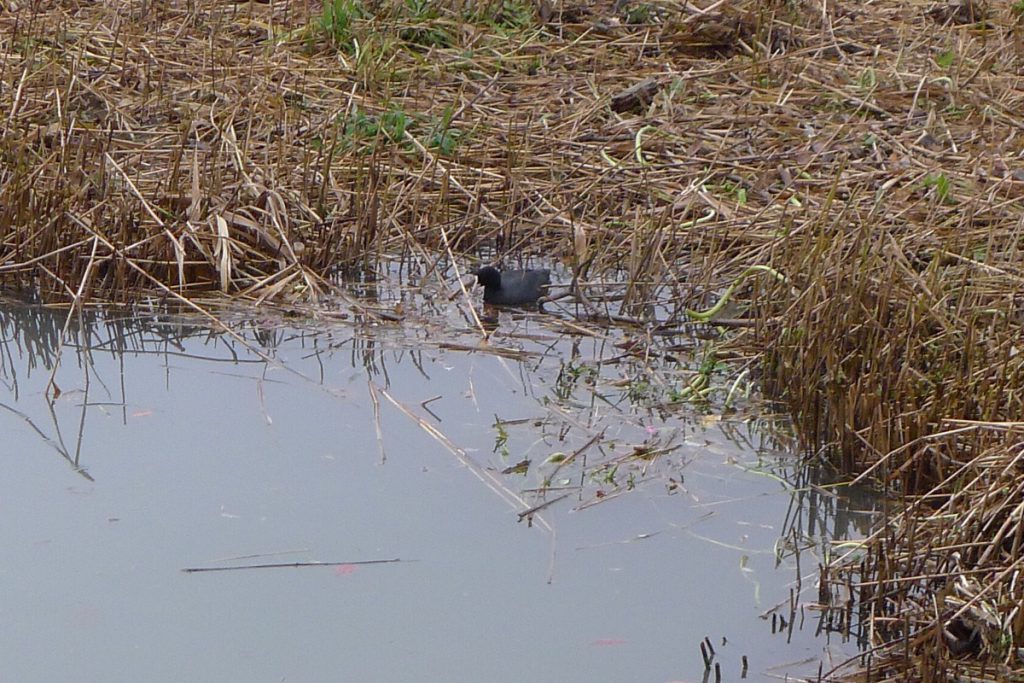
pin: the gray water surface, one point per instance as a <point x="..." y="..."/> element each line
<point x="173" y="446"/>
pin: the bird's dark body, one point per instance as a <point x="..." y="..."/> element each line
<point x="513" y="287"/>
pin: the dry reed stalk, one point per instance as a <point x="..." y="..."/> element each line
<point x="940" y="581"/>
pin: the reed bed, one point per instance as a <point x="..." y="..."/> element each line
<point x="938" y="586"/>
<point x="853" y="169"/>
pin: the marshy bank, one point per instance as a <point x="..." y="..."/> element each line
<point x="867" y="154"/>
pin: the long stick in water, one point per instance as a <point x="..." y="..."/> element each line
<point x="287" y="564"/>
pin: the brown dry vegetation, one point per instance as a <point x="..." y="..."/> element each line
<point x="869" y="152"/>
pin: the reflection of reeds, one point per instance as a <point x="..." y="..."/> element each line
<point x="34" y="338"/>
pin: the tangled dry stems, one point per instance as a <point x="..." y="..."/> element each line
<point x="867" y="152"/>
<point x="939" y="584"/>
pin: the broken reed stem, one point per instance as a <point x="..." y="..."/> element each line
<point x="489" y="478"/>
<point x="288" y="565"/>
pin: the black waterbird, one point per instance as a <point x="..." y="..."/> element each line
<point x="513" y="287"/>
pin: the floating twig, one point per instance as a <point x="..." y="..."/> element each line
<point x="286" y="565"/>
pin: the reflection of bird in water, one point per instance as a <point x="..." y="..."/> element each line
<point x="513" y="287"/>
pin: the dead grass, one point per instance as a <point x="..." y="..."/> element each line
<point x="867" y="152"/>
<point x="938" y="586"/>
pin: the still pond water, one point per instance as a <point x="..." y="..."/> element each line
<point x="173" y="446"/>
